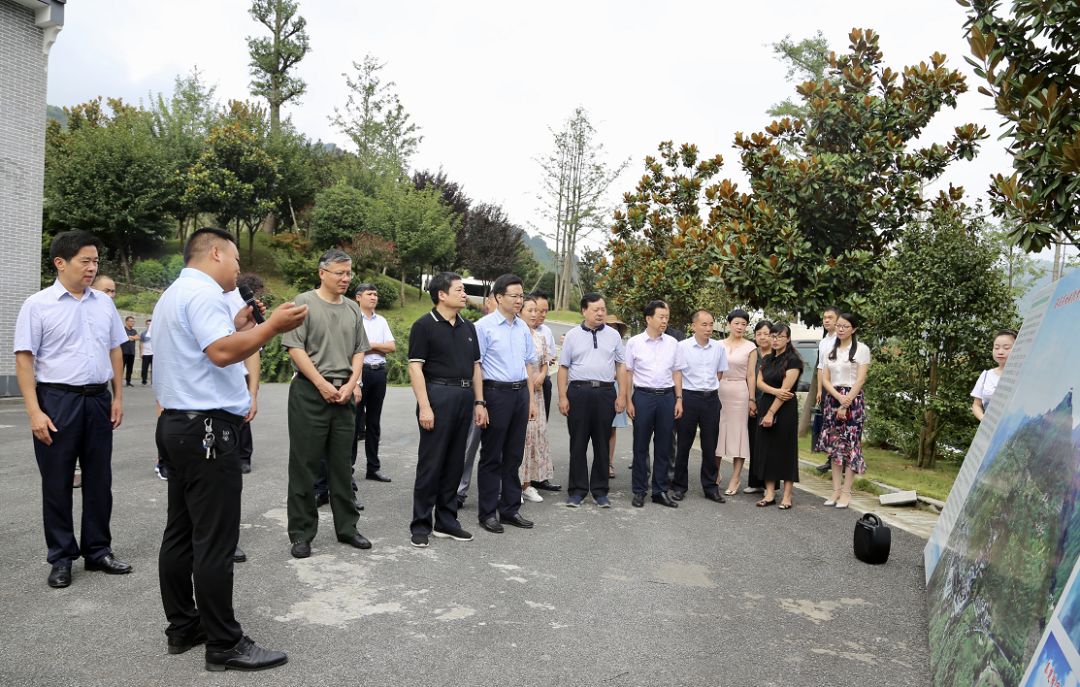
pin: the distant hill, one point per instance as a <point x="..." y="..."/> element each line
<point x="57" y="113"/>
<point x="543" y="254"/>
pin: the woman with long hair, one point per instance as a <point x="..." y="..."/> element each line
<point x="536" y="465"/>
<point x="737" y="397"/>
<point x="763" y="339"/>
<point x="777" y="441"/>
<point x="988" y="380"/>
<point x="842" y="378"/>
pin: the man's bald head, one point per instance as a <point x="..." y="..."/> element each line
<point x="106" y="285"/>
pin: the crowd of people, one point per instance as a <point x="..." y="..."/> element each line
<point x="482" y="388"/>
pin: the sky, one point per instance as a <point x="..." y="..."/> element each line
<point x="488" y="81"/>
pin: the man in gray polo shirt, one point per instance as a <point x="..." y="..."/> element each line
<point x="592" y="358"/>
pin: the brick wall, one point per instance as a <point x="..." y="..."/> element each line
<point x="23" y="75"/>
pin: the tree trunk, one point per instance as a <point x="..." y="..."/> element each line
<point x="402" y="286"/>
<point x="930" y="429"/>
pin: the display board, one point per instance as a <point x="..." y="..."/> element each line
<point x="1004" y="606"/>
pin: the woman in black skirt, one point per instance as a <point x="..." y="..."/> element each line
<point x="776" y="446"/>
<point x="763" y="339"/>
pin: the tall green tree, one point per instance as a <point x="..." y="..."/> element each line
<point x="340" y="213"/>
<point x="932" y="316"/>
<point x="489" y="244"/>
<point x="805" y="60"/>
<point x="377" y="123"/>
<point x="108" y="174"/>
<point x="829" y="194"/>
<point x="235" y="178"/>
<point x="1029" y="57"/>
<point x="274" y="57"/>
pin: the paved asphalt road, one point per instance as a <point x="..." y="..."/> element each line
<point x="707" y="594"/>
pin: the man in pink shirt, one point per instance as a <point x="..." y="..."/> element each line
<point x="655" y="363"/>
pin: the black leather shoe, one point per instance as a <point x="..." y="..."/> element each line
<point x="517" y="520"/>
<point x="639" y="500"/>
<point x="300" y="549"/>
<point x="715" y="496"/>
<point x="239" y="556"/>
<point x="824" y="467"/>
<point x="664" y="500"/>
<point x="357" y="540"/>
<point x="60" y="576"/>
<point x="547" y="485"/>
<point x="246" y="655"/>
<point x="321" y="500"/>
<point x="678" y="495"/>
<point x="109" y="565"/>
<point x="182" y="643"/>
<point x="377" y="477"/>
<point x="492" y="525"/>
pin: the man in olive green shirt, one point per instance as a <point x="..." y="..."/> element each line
<point x="328" y="353"/>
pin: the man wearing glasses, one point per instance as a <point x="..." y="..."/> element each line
<point x="328" y="353"/>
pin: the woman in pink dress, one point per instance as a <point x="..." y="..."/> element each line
<point x="737" y="393"/>
<point x="536" y="465"/>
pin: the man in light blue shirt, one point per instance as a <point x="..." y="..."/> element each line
<point x="67" y="351"/>
<point x="508" y="362"/>
<point x="204" y="397"/>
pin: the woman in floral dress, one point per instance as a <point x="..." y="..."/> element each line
<point x="536" y="465"/>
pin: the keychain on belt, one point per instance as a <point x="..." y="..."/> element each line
<point x="208" y="439"/>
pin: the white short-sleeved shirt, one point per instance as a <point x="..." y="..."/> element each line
<point x="986" y="385"/>
<point x="824" y="348"/>
<point x="843" y="372"/>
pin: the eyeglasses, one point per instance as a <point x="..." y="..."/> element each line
<point x="842" y="327"/>
<point x="339" y="275"/>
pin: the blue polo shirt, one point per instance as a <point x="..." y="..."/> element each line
<point x="192" y="314"/>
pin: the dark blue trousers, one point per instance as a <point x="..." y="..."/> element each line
<point x="654" y="419"/>
<point x="369" y="416"/>
<point x="502" y="448"/>
<point x="440" y="459"/>
<point x="700" y="411"/>
<point x="84" y="433"/>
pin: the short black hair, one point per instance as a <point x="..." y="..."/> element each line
<point x="538" y="294"/>
<point x="590" y="298"/>
<point x="67" y="245"/>
<point x="129" y="317"/>
<point x="831" y="309"/>
<point x="200" y="242"/>
<point x="1006" y="332"/>
<point x="441" y="282"/>
<point x="738" y="312"/>
<point x="505" y="281"/>
<point x="366" y="286"/>
<point x="763" y="324"/>
<point x="651" y="306"/>
<point x="250" y="280"/>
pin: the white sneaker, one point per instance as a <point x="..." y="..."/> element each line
<point x="531" y="494"/>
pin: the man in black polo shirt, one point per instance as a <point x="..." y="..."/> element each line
<point x="444" y="368"/>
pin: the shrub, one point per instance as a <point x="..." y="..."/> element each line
<point x="389" y="290"/>
<point x="274" y="362"/>
<point x="173" y="265"/>
<point x="150" y="273"/>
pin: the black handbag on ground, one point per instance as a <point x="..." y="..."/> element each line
<point x="873" y="539"/>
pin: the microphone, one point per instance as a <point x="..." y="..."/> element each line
<point x="249" y="299"/>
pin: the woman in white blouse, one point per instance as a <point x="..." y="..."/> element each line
<point x="988" y="380"/>
<point x="842" y="378"/>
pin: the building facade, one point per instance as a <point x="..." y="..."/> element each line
<point x="28" y="28"/>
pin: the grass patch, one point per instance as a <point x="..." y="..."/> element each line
<point x="892" y="468"/>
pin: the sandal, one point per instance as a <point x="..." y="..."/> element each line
<point x="731" y="492"/>
<point x="833" y="499"/>
<point x="784" y="506"/>
<point x="844" y="505"/>
<point x="763" y="503"/>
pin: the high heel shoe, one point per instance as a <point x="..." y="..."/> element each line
<point x="831" y="501"/>
<point x="844" y="505"/>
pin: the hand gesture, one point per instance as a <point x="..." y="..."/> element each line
<point x="285" y="318"/>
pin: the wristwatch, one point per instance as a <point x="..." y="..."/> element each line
<point x="480" y="403"/>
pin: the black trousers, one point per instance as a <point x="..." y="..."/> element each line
<point x="654" y="420"/>
<point x="700" y="412"/>
<point x="547" y="398"/>
<point x="195" y="565"/>
<point x="440" y="457"/>
<point x="129" y="366"/>
<point x="502" y="448"/>
<point x="592" y="409"/>
<point x="84" y="433"/>
<point x="147" y="364"/>
<point x="369" y="416"/>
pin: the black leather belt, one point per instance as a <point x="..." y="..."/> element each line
<point x="445" y="381"/>
<point x="492" y="384"/>
<point x="592" y="383"/>
<point x="655" y="392"/>
<point x="86" y="390"/>
<point x="703" y="394"/>
<point x="215" y="413"/>
<point x="375" y="366"/>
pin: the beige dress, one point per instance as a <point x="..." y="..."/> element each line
<point x="734" y="438"/>
<point x="536" y="464"/>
